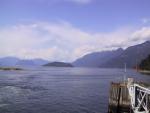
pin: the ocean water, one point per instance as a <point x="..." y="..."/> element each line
<point x="59" y="90"/>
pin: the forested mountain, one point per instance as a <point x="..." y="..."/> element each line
<point x="145" y="64"/>
<point x="59" y="64"/>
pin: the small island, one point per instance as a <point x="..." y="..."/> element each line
<point x="58" y="64"/>
<point x="145" y="66"/>
<point x="9" y="68"/>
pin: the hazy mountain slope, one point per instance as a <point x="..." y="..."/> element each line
<point x="96" y="59"/>
<point x="116" y="58"/>
<point x="131" y="56"/>
<point x="13" y="61"/>
<point x="40" y="61"/>
<point x="32" y="62"/>
<point x="8" y="61"/>
<point x="25" y="63"/>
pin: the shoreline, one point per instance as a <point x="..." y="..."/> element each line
<point x="10" y="68"/>
<point x="147" y="72"/>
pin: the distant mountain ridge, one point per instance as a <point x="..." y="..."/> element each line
<point x="8" y="61"/>
<point x="132" y="56"/>
<point x="116" y="58"/>
<point x="97" y="58"/>
<point x="14" y="61"/>
<point x="33" y="62"/>
<point x="25" y="63"/>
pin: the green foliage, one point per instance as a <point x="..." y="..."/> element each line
<point x="145" y="64"/>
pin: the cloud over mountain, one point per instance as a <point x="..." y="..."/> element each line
<point x="62" y="41"/>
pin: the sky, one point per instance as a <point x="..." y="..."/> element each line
<point x="64" y="30"/>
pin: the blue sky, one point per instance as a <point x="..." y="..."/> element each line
<point x="63" y="30"/>
<point x="93" y="15"/>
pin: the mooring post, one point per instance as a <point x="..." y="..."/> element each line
<point x="118" y="102"/>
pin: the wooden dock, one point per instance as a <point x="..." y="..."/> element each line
<point x="119" y="100"/>
<point x="129" y="97"/>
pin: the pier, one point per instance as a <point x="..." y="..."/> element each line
<point x="129" y="97"/>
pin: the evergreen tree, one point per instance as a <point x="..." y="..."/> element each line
<point x="145" y="64"/>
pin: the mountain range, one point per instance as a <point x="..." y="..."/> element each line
<point x="97" y="58"/>
<point x="130" y="56"/>
<point x="13" y="61"/>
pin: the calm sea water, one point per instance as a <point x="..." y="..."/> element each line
<point x="59" y="90"/>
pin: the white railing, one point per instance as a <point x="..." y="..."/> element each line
<point x="140" y="97"/>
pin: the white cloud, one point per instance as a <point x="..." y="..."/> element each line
<point x="62" y="41"/>
<point x="143" y="33"/>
